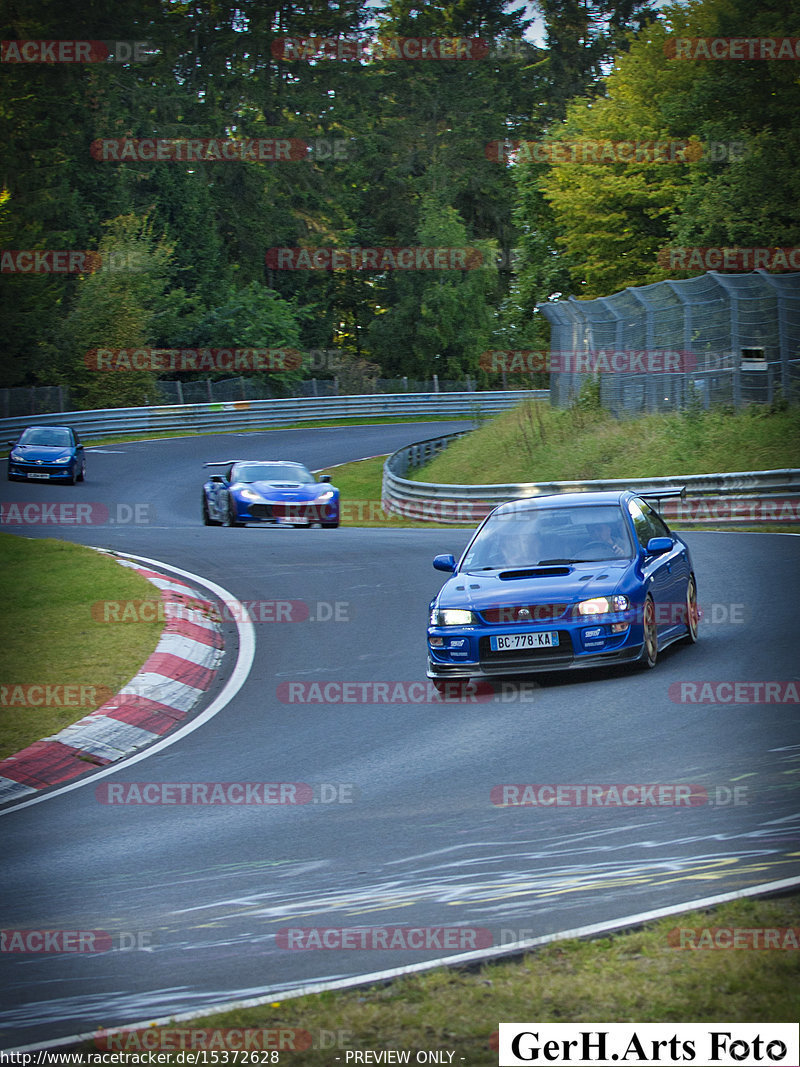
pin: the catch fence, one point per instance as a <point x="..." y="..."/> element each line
<point x="734" y="337"/>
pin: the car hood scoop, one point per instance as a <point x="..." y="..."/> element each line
<point x="533" y="572"/>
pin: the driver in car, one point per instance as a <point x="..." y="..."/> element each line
<point x="605" y="534"/>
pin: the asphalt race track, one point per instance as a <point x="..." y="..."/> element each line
<point x="403" y="830"/>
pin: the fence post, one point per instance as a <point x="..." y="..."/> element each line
<point x="436" y="383"/>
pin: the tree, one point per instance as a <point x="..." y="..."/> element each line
<point x="437" y="321"/>
<point x="115" y="308"/>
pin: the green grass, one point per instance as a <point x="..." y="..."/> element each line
<point x="48" y="634"/>
<point x="635" y="976"/>
<point x="536" y="443"/>
<point x="360" y="485"/>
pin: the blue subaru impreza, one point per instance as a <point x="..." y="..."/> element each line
<point x="560" y="582"/>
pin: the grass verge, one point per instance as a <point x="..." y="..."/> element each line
<point x="48" y="636"/>
<point x="360" y="485"/>
<point x="536" y="443"/>
<point x="636" y="976"/>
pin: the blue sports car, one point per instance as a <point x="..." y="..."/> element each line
<point x="47" y="453"/>
<point x="559" y="582"/>
<point x="279" y="492"/>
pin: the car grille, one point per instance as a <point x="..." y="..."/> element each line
<point x="559" y="656"/>
<point x="261" y="511"/>
<point x="62" y="468"/>
<point x="507" y="613"/>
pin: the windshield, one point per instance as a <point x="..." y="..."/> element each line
<point x="46" y="436"/>
<point x="272" y="472"/>
<point x="569" y="534"/>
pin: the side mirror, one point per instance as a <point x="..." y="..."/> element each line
<point x="12" y="443"/>
<point x="445" y="563"/>
<point x="657" y="546"/>
<point x="324" y="477"/>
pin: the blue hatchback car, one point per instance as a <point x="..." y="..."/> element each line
<point x="560" y="582"/>
<point x="47" y="453"/>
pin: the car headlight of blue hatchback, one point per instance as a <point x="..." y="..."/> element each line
<point x="452" y="617"/>
<point x="602" y="605"/>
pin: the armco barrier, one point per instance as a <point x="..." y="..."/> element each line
<point x="249" y="414"/>
<point x="743" y="498"/>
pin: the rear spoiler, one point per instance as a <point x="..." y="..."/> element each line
<point x="221" y="463"/>
<point x="664" y="494"/>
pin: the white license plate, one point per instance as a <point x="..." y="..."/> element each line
<point x="38" y="474"/>
<point x="510" y="642"/>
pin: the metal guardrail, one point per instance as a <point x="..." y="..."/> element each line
<point x="244" y="414"/>
<point x="741" y="498"/>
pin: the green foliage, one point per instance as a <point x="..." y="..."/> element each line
<point x="397" y="156"/>
<point x="114" y="308"/>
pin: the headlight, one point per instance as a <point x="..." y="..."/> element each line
<point x="452" y="617"/>
<point x="17" y="457"/>
<point x="251" y="494"/>
<point x="602" y="605"/>
<point x="64" y="459"/>
<point x="324" y="497"/>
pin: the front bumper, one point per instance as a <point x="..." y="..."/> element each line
<point x="36" y="472"/>
<point x="283" y="512"/>
<point x="468" y="652"/>
<point x="482" y="670"/>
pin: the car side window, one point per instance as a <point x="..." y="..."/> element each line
<point x="646" y="522"/>
<point x="656" y="523"/>
<point x="640" y="523"/>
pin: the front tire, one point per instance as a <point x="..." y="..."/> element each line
<point x="649" y="654"/>
<point x="230" y="513"/>
<point x="82" y="472"/>
<point x="692" y="614"/>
